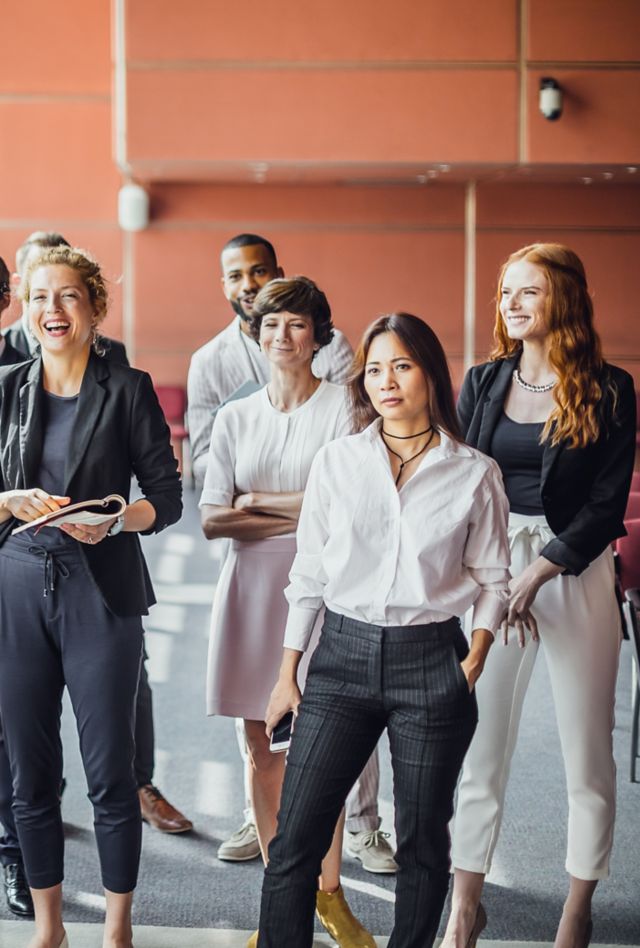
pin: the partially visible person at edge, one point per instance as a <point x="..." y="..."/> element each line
<point x="18" y="344"/>
<point x="15" y="886"/>
<point x="403" y="527"/>
<point x="219" y="368"/>
<point x="261" y="451"/>
<point x="17" y="334"/>
<point x="72" y="598"/>
<point x="9" y="355"/>
<point x="560" y="422"/>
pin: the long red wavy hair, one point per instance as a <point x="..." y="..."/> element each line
<point x="575" y="352"/>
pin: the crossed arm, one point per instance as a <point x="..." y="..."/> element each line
<point x="254" y="516"/>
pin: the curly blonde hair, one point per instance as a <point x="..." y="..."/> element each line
<point x="90" y="272"/>
<point x="575" y="351"/>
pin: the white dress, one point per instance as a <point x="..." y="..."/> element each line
<point x="255" y="447"/>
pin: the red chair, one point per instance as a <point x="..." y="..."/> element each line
<point x="635" y="481"/>
<point x="633" y="506"/>
<point x="173" y="401"/>
<point x="637" y="419"/>
<point x="628" y="550"/>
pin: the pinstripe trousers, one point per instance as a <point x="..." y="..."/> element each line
<point x="363" y="678"/>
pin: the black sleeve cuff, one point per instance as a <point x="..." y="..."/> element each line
<point x="562" y="555"/>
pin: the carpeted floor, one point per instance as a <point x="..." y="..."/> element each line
<point x="182" y="884"/>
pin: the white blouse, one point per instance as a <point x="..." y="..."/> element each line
<point x="256" y="447"/>
<point x="386" y="557"/>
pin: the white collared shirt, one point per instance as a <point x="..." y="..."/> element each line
<point x="255" y="446"/>
<point x="421" y="554"/>
<point x="229" y="360"/>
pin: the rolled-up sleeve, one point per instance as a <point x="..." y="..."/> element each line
<point x="486" y="554"/>
<point x="153" y="461"/>
<point x="307" y="578"/>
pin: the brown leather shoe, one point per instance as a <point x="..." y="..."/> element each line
<point x="158" y="812"/>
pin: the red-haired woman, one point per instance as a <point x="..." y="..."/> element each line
<point x="560" y="422"/>
<point x="402" y="529"/>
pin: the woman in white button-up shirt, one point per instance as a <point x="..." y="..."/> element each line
<point x="402" y="529"/>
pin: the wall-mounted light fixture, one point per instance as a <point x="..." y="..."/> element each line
<point x="133" y="207"/>
<point x="550" y="101"/>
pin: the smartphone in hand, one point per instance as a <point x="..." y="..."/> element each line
<point x="281" y="734"/>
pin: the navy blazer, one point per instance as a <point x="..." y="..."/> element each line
<point x="119" y="430"/>
<point x="583" y="491"/>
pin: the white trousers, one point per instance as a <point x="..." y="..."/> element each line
<point x="361" y="807"/>
<point x="580" y="631"/>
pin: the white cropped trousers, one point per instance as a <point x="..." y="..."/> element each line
<point x="579" y="626"/>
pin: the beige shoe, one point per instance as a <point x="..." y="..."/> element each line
<point x="253" y="941"/>
<point x="337" y="918"/>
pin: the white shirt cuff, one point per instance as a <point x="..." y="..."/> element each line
<point x="300" y="623"/>
<point x="489" y="609"/>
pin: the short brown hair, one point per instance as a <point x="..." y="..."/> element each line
<point x="298" y="295"/>
<point x="424" y="346"/>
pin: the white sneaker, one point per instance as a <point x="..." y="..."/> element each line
<point x="241" y="846"/>
<point x="372" y="849"/>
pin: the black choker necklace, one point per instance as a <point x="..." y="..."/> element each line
<point x="403" y="463"/>
<point x="407" y="437"/>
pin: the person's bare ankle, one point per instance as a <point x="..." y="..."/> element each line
<point x="48" y="938"/>
<point x="118" y="940"/>
<point x="460" y="924"/>
<point x="573" y="927"/>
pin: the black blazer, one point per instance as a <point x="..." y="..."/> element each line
<point x="11" y="356"/>
<point x="583" y="491"/>
<point x="114" y="351"/>
<point x="119" y="430"/>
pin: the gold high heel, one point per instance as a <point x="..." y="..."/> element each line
<point x="253" y="941"/>
<point x="478" y="926"/>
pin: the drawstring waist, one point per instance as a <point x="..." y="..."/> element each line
<point x="53" y="567"/>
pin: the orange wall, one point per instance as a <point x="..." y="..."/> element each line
<point x="56" y="166"/>
<point x="599" y="222"/>
<point x="375" y="250"/>
<point x="395" y="84"/>
<point x="394" y="80"/>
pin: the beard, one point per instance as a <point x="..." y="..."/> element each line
<point x="236" y="306"/>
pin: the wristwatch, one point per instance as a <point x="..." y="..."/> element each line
<point x="116" y="527"/>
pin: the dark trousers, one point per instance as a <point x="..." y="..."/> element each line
<point x="67" y="637"/>
<point x="363" y="678"/>
<point x="144" y="766"/>
<point x="9" y="845"/>
<point x="144" y="762"/>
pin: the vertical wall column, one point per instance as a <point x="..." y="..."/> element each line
<point x="469" y="275"/>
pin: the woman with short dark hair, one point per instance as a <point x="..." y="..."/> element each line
<point x="402" y="529"/>
<point x="261" y="450"/>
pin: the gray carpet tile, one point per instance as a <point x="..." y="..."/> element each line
<point x="182" y="884"/>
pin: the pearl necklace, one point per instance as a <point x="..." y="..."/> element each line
<point x="528" y="387"/>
